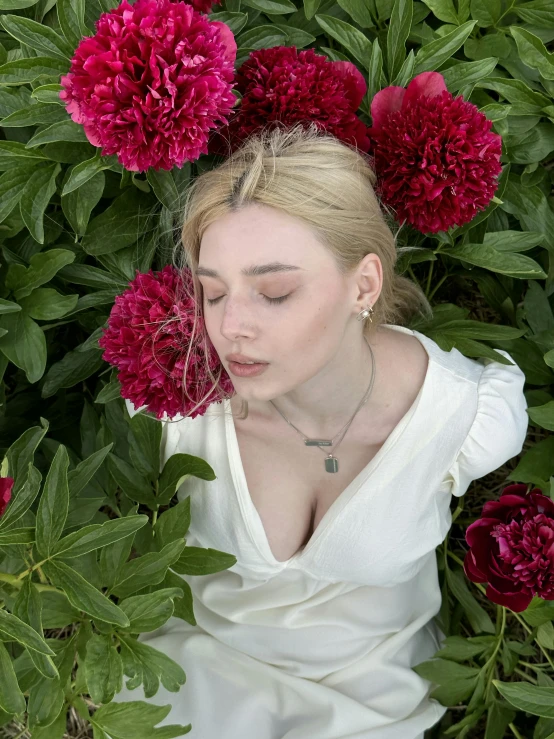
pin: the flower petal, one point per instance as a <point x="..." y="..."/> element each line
<point x="427" y="84"/>
<point x="355" y="85"/>
<point x="385" y="102"/>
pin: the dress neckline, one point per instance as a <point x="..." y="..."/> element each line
<point x="249" y="512"/>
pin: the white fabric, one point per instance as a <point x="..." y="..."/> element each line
<point x="321" y="646"/>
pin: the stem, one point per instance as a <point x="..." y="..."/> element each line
<point x="515" y="732"/>
<point x="429" y="275"/>
<point x="16" y="582"/>
<point x="439" y="283"/>
<point x="526" y="676"/>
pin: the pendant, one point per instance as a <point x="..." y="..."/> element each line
<point x="331" y="464"/>
<point x="318" y="442"/>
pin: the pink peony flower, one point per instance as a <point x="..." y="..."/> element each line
<point x="283" y="85"/>
<point x="6" y="485"/>
<point x="151" y="83"/>
<point x="147" y="339"/>
<point x="202" y="6"/>
<point x="512" y="547"/>
<point x="436" y="159"/>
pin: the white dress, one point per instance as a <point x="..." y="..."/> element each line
<point x="321" y="646"/>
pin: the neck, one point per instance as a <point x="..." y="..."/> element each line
<point x="320" y="407"/>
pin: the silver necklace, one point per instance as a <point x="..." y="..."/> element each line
<point x="331" y="462"/>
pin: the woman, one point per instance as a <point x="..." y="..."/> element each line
<point x="314" y="632"/>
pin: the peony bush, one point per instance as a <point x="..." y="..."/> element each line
<point x="108" y="110"/>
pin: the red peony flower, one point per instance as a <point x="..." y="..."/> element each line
<point x="512" y="547"/>
<point x="283" y="85"/>
<point x="6" y="485"/>
<point x="436" y="159"/>
<point x="147" y="339"/>
<point x="151" y="83"/>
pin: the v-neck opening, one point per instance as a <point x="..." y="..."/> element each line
<point x="250" y="513"/>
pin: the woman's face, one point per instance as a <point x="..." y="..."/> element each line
<point x="299" y="336"/>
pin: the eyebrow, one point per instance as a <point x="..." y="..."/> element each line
<point x="254" y="270"/>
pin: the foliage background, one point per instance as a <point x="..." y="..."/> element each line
<point x="74" y="227"/>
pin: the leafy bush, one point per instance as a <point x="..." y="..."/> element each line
<point x="92" y="543"/>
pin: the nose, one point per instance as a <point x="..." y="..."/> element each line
<point x="238" y="319"/>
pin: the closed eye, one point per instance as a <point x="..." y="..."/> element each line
<point x="269" y="300"/>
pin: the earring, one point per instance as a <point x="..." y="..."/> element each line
<point x="365" y="313"/>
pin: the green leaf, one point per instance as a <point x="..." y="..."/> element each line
<point x="134" y="485"/>
<point x="24" y="344"/>
<point x="32" y="115"/>
<point x="43" y="266"/>
<point x="21" y="71"/>
<point x="273" y="7"/>
<point x="20" y="454"/>
<point x="152" y="666"/>
<point x="14" y="154"/>
<point x="486" y="12"/>
<point x="45" y="304"/>
<point x="84" y="171"/>
<point x="543" y="416"/>
<point x="14" y="629"/>
<point x="164" y="186"/>
<point x="397" y="33"/>
<point x="149" y="611"/>
<point x="53" y="505"/>
<point x="177" y="468"/>
<point x="65" y="130"/>
<point x="82" y="594"/>
<point x="460" y="649"/>
<point x="467" y="72"/>
<point x="12" y="700"/>
<point x="261" y="37"/>
<point x="36" y="197"/>
<point x="174" y="523"/>
<point x="514" y="241"/>
<point x="46" y="699"/>
<point x="505" y="263"/>
<point x="525" y="697"/>
<point x="48" y="94"/>
<point x="71" y="16"/>
<point x="538" y="13"/>
<point x="477" y="616"/>
<point x="96" y="536"/>
<point x="498" y="717"/>
<point x="16" y="4"/>
<point x="538" y="612"/>
<point x="150" y="569"/>
<point x="73" y="368"/>
<point x="203" y="561"/>
<point x="85" y="470"/>
<point x="235" y="21"/>
<point x="432" y="55"/>
<point x="517" y="93"/>
<point x="533" y="52"/>
<point x="358" y="10"/>
<point x="12" y="185"/>
<point x="348" y="36"/>
<point x="86" y="274"/>
<point x="103" y="668"/>
<point x="38" y="36"/>
<point x="144" y="443"/>
<point x="17" y="536"/>
<point x="375" y="71"/>
<point x="120" y="224"/>
<point x="533" y="146"/>
<point x="443" y="10"/>
<point x="138" y="717"/>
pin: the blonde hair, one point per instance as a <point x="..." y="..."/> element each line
<point x="308" y="173"/>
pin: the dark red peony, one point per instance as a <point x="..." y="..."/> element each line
<point x="147" y="339"/>
<point x="512" y="547"/>
<point x="285" y="86"/>
<point x="151" y="83"/>
<point x="436" y="159"/>
<point x="6" y="485"/>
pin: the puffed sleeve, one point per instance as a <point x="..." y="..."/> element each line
<point x="499" y="428"/>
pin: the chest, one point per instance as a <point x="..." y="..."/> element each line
<point x="290" y="488"/>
